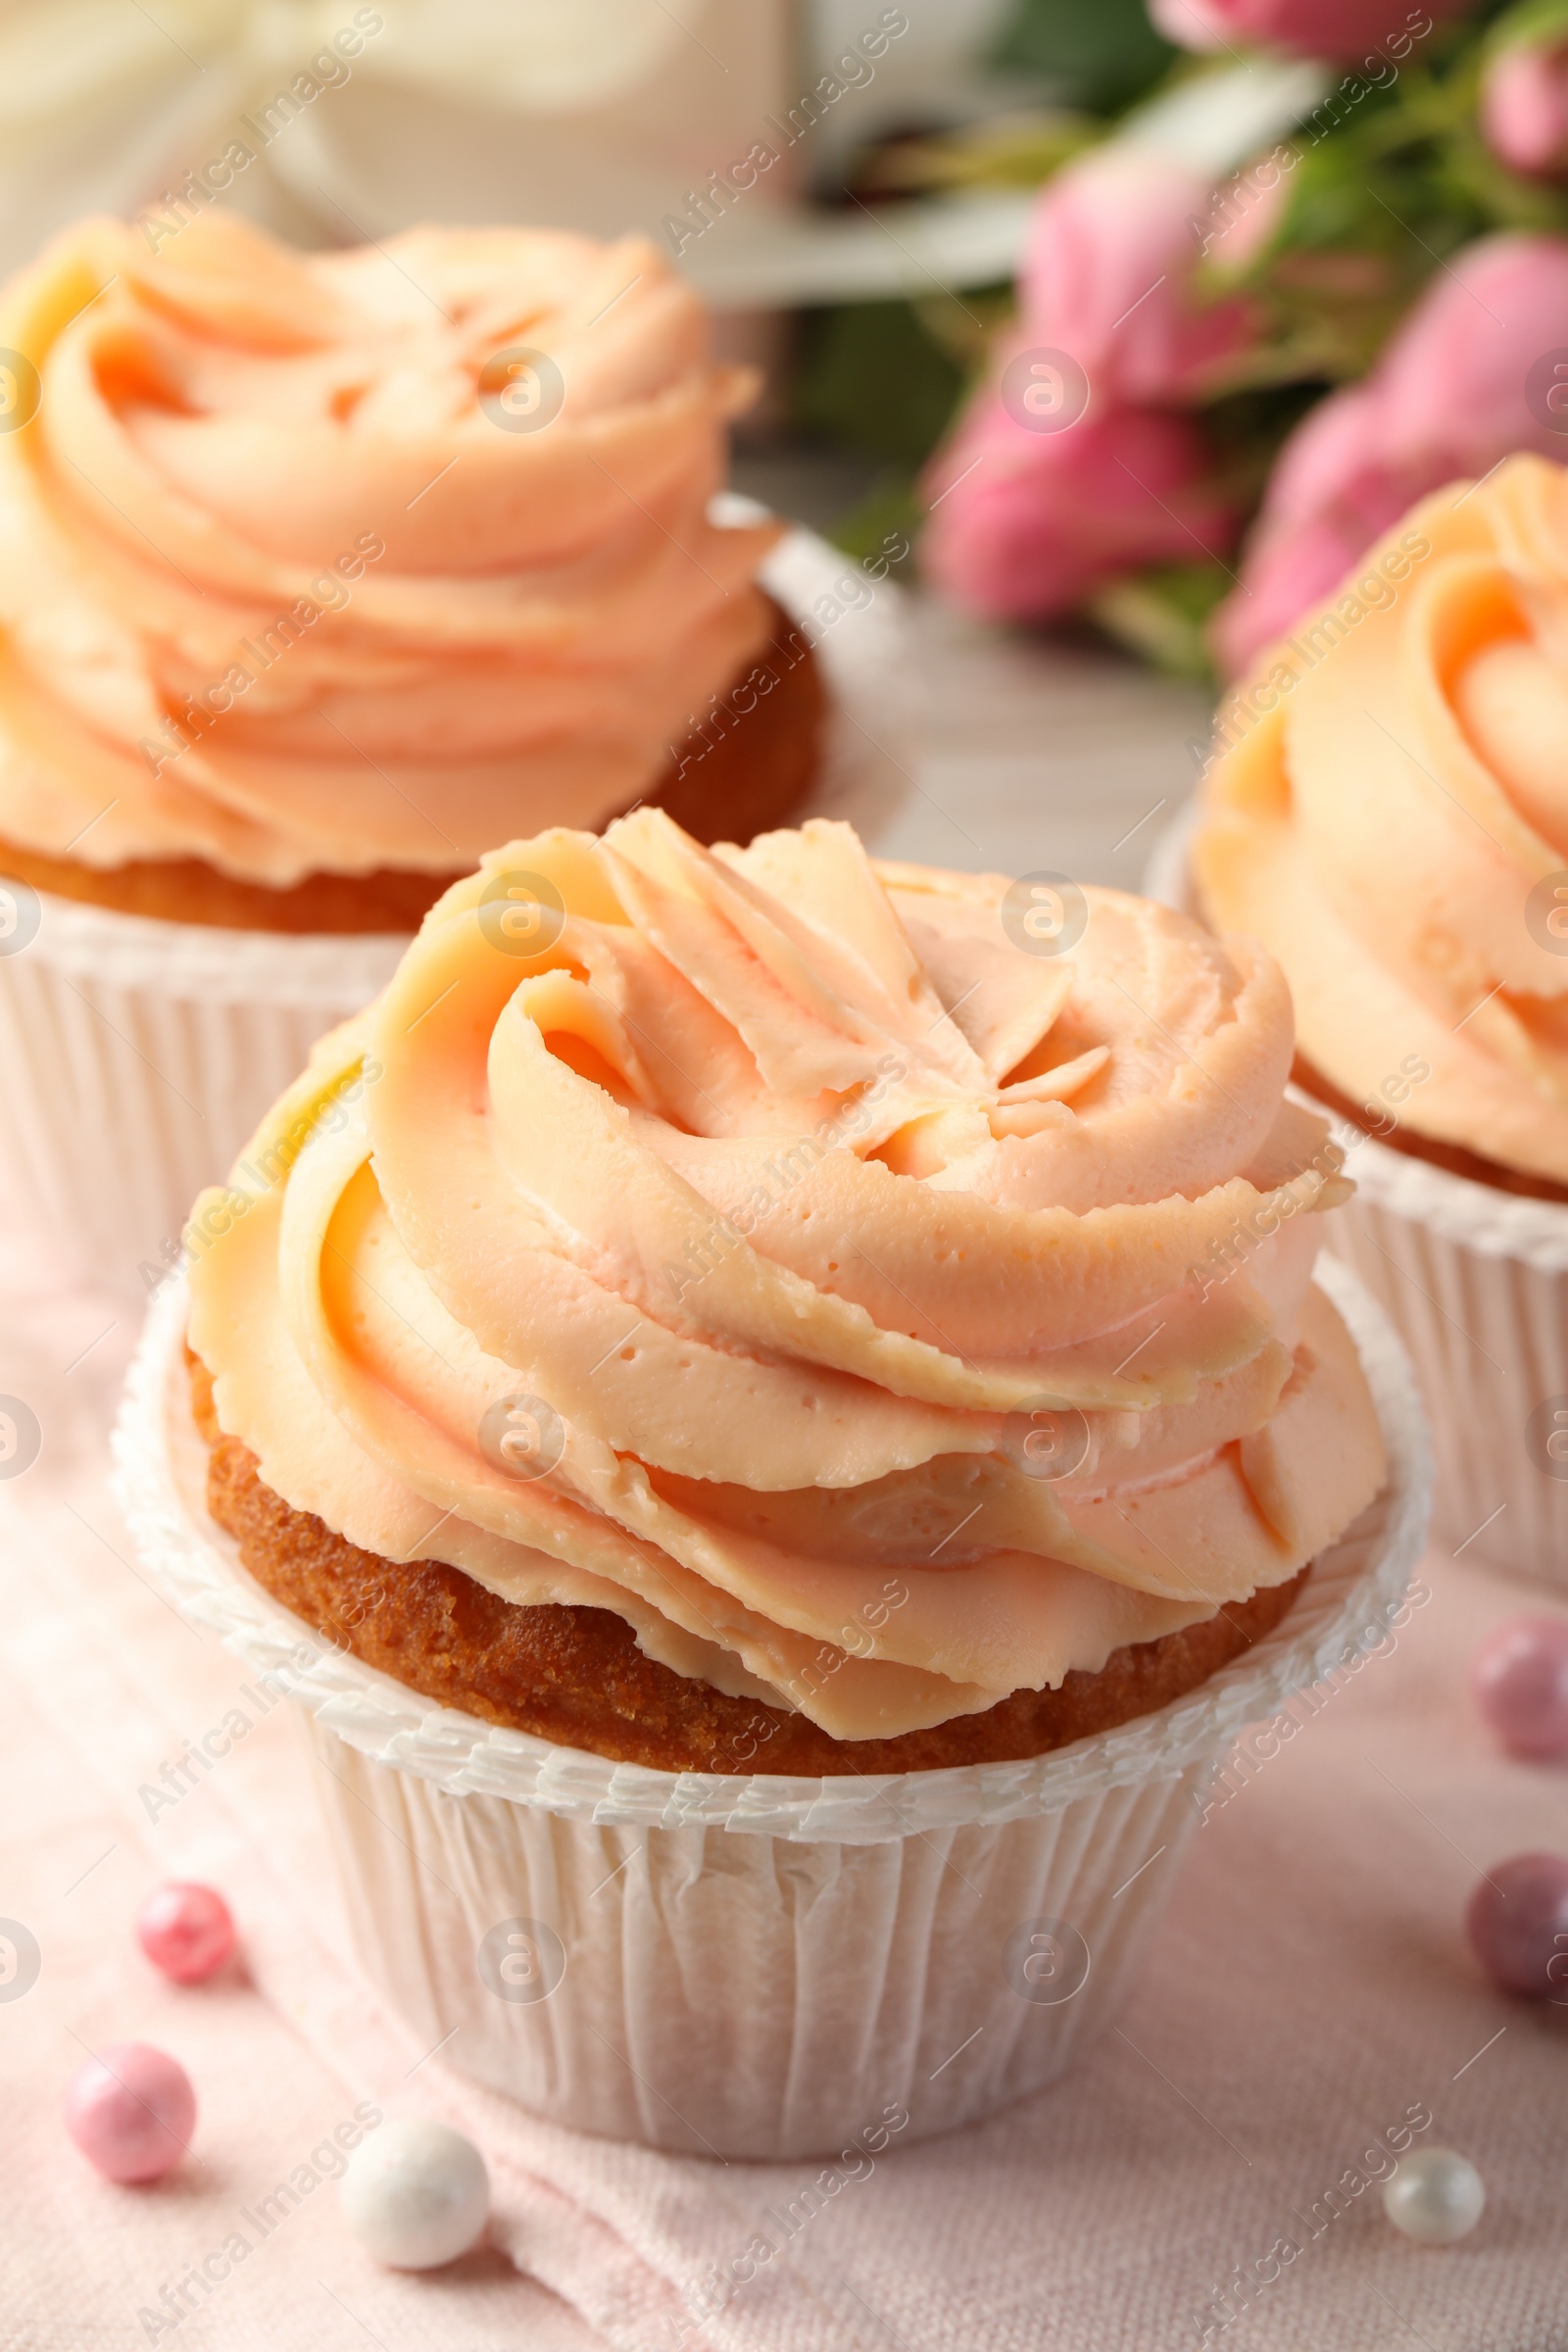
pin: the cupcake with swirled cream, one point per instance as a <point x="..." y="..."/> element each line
<point x="764" y="1310"/>
<point x="1392" y="820"/>
<point x="320" y="574"/>
<point x="1389" y="814"/>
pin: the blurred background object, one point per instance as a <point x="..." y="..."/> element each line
<point x="1368" y="303"/>
<point x="1347" y="221"/>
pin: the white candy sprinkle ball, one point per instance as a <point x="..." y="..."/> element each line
<point x="1435" y="2195"/>
<point x="416" y="2194"/>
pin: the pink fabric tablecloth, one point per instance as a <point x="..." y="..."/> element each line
<point x="1310" y="1984"/>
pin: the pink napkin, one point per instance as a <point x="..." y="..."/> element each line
<point x="1309" y="1989"/>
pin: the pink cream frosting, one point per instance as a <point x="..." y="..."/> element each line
<point x="903" y="1316"/>
<point x="1390" y="816"/>
<point x="284" y="587"/>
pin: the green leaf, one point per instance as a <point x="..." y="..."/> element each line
<point x="873" y="378"/>
<point x="1162" y="613"/>
<point x="1543" y="22"/>
<point x="1099" y="53"/>
<point x="890" y="512"/>
<point x="1021" y="149"/>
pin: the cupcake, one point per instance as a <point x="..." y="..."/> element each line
<point x="322" y="572"/>
<point x="731" y="1343"/>
<point x="1389" y="816"/>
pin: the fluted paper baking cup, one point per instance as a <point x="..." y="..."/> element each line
<point x="752" y="1965"/>
<point x="1475" y="1281"/>
<point x="137" y="1057"/>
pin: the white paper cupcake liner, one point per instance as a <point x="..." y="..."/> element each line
<point x="752" y="1966"/>
<point x="1475" y="1281"/>
<point x="137" y="1057"/>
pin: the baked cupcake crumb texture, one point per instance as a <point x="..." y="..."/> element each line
<point x="576" y="1676"/>
<point x="717" y="785"/>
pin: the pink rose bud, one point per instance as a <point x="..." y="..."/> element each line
<point x="1459" y="387"/>
<point x="1524" y="108"/>
<point x="1345" y="31"/>
<point x="1108" y="276"/>
<point x="1026" y="521"/>
<point x="1070" y="466"/>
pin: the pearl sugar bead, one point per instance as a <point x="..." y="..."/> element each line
<point x="1520" y="1681"/>
<point x="1518" y="1925"/>
<point x="186" y="1930"/>
<point x="1435" y="2195"/>
<point x="131" y="2111"/>
<point x="416" y="2194"/>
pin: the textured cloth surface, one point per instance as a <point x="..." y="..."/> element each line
<point x="1309" y="1983"/>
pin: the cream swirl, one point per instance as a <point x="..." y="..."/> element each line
<point x="1392" y="819"/>
<point x="282" y="589"/>
<point x="846" y="1257"/>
